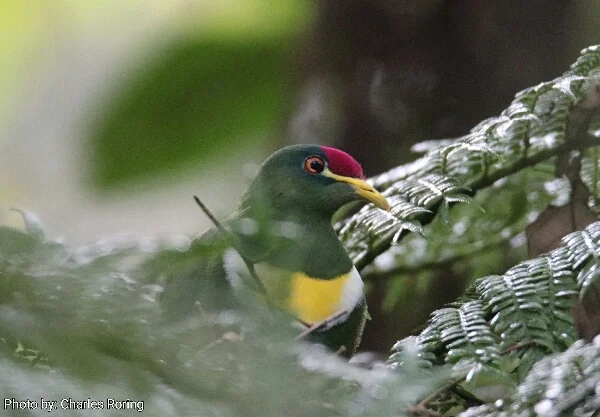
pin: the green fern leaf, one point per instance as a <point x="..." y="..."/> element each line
<point x="561" y="385"/>
<point x="585" y="249"/>
<point x="532" y="129"/>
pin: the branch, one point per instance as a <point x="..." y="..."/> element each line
<point x="434" y="264"/>
<point x="420" y="409"/>
<point x="212" y="218"/>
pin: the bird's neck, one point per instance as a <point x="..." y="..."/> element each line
<point x="300" y="242"/>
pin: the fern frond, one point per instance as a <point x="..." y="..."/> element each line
<point x="585" y="249"/>
<point x="463" y="333"/>
<point x="590" y="174"/>
<point x="524" y="313"/>
<point x="536" y="126"/>
<point x="561" y="385"/>
<point x="506" y="326"/>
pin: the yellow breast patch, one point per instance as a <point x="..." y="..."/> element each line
<point x="310" y="299"/>
<point x="313" y="300"/>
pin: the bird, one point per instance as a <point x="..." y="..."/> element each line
<point x="281" y="242"/>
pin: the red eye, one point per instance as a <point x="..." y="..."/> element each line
<point x="314" y="164"/>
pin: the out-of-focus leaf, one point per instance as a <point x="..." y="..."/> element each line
<point x="33" y="225"/>
<point x="90" y="319"/>
<point x="197" y="101"/>
<point x="560" y="385"/>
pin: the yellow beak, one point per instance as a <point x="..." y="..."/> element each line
<point x="362" y="189"/>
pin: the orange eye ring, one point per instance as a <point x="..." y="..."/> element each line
<point x="314" y="165"/>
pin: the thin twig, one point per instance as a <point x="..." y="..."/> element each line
<point x="466" y="395"/>
<point x="421" y="407"/>
<point x="341" y="350"/>
<point x="318" y="325"/>
<point x="517" y="346"/>
<point x="211" y="216"/>
<point x="235" y="245"/>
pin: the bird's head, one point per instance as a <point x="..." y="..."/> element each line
<point x="312" y="179"/>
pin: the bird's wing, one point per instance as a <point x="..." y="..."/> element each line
<point x="192" y="280"/>
<point x="196" y="280"/>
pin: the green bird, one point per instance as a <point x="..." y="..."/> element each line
<point x="281" y="237"/>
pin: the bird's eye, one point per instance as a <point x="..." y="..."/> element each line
<point x="314" y="164"/>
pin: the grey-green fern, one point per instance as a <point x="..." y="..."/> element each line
<point x="587" y="257"/>
<point x="541" y="122"/>
<point x="526" y="309"/>
<point x="505" y="323"/>
<point x="561" y="385"/>
<point x="524" y="314"/>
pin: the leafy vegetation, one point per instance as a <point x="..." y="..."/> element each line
<point x="218" y="86"/>
<point x="158" y="126"/>
<point x="562" y="384"/>
<point x="535" y="127"/>
<point x="506" y="323"/>
<point x="503" y="324"/>
<point x="85" y="322"/>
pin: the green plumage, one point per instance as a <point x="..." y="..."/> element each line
<point x="284" y="220"/>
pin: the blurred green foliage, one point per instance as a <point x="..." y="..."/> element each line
<point x="85" y="322"/>
<point x="208" y="78"/>
<point x="197" y="101"/>
<point x="220" y="89"/>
